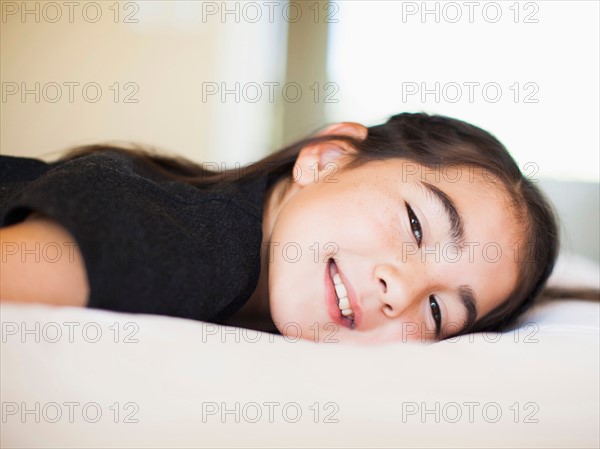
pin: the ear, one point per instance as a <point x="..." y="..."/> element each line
<point x="319" y="160"/>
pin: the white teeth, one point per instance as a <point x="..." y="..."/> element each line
<point x="344" y="303"/>
<point x="341" y="291"/>
<point x="342" y="294"/>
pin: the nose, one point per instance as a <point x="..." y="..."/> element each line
<point x="398" y="292"/>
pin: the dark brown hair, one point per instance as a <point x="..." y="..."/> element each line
<point x="436" y="142"/>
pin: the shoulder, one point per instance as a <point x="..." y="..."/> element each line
<point x="18" y="168"/>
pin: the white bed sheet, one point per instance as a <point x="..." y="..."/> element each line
<point x="194" y="384"/>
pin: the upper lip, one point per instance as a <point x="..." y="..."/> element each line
<point x="352" y="298"/>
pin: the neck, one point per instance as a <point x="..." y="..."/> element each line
<point x="255" y="313"/>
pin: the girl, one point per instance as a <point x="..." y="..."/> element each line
<point x="421" y="228"/>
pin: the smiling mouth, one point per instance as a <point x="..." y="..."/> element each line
<point x="346" y="312"/>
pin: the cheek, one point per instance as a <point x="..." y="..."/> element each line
<point x="349" y="220"/>
<point x="281" y="301"/>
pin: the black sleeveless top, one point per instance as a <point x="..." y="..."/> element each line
<point x="149" y="244"/>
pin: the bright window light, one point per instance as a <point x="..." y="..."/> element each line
<point x="525" y="71"/>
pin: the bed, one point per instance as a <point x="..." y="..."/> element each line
<point x="74" y="377"/>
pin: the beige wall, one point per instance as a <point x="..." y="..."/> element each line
<point x="167" y="55"/>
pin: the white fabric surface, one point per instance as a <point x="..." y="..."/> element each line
<point x="543" y="378"/>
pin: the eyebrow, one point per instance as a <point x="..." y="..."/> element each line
<point x="457" y="227"/>
<point x="467" y="298"/>
<point x="457" y="233"/>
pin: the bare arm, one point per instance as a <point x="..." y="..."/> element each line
<point x="29" y="274"/>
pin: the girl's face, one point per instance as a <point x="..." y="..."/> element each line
<point x="386" y="251"/>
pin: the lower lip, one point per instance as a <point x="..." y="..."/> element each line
<point x="332" y="302"/>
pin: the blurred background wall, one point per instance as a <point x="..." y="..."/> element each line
<point x="229" y="82"/>
<point x="140" y="79"/>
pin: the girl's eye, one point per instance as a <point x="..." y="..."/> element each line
<point x="436" y="313"/>
<point x="415" y="226"/>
